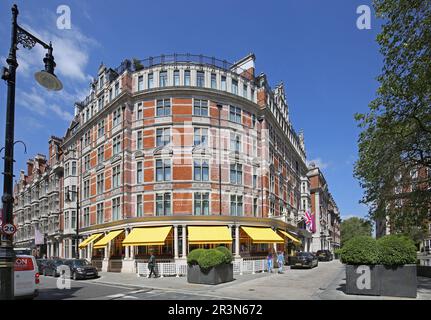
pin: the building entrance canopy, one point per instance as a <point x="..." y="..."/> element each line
<point x="289" y="236"/>
<point x="150" y="236"/>
<point x="262" y="235"/>
<point x="106" y="239"/>
<point x="209" y="235"/>
<point x="89" y="240"/>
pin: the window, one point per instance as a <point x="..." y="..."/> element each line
<point x="235" y="205"/>
<point x="87" y="138"/>
<point x="116" y="118"/>
<point x="86" y="191"/>
<point x="163" y="108"/>
<point x="100" y="103"/>
<point x="100" y="182"/>
<point x="201" y="203"/>
<point x="139" y="207"/>
<point x="235" y="142"/>
<point x="139" y="141"/>
<point x="200" y="136"/>
<point x="254" y="146"/>
<point x="254" y="178"/>
<point x="235" y="114"/>
<point x="255" y="207"/>
<point x="163" y="170"/>
<point x="176" y="77"/>
<point x="116" y="208"/>
<point x="200" y="108"/>
<point x="200" y="79"/>
<point x="252" y="94"/>
<point x="163" y="204"/>
<point x="116" y="176"/>
<point x="213" y="81"/>
<point x="73" y="168"/>
<point x="140" y="83"/>
<point x="150" y="81"/>
<point x="87" y="162"/>
<point x="86" y="221"/>
<point x="163" y="79"/>
<point x="116" y="145"/>
<point x="236" y="173"/>
<point x="117" y="89"/>
<point x="101" y="129"/>
<point x="73" y="219"/>
<point x="101" y="82"/>
<point x="100" y="154"/>
<point x="99" y="213"/>
<point x="187" y="77"/>
<point x="66" y="220"/>
<point x="139" y="172"/>
<point x="234" y="86"/>
<point x="163" y="136"/>
<point x="244" y="90"/>
<point x="271" y="182"/>
<point x="139" y="112"/>
<point x="200" y="170"/>
<point x="223" y="83"/>
<point x="111" y="96"/>
<point x="66" y="170"/>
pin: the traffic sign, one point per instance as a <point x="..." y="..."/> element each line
<point x="9" y="229"/>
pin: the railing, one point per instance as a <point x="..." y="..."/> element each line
<point x="180" y="268"/>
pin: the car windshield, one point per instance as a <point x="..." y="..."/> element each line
<point x="81" y="263"/>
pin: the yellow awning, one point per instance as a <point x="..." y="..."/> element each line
<point x="149" y="236"/>
<point x="89" y="240"/>
<point x="288" y="235"/>
<point x="105" y="240"/>
<point x="263" y="235"/>
<point x="209" y="234"/>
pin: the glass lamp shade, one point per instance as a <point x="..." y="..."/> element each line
<point x="48" y="80"/>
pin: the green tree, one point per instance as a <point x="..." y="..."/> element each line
<point x="354" y="227"/>
<point x="396" y="132"/>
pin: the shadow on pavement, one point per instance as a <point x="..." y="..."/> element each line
<point x="424" y="283"/>
<point x="57" y="294"/>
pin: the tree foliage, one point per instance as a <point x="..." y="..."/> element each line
<point x="353" y="227"/>
<point x="396" y="132"/>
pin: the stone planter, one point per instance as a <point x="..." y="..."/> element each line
<point x="400" y="281"/>
<point x="219" y="274"/>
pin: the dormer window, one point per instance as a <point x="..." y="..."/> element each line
<point x="101" y="82"/>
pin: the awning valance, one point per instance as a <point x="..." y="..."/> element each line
<point x="288" y="235"/>
<point x="106" y="239"/>
<point x="209" y="234"/>
<point x="262" y="235"/>
<point x="149" y="236"/>
<point x="89" y="240"/>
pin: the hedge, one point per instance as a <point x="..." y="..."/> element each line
<point x="211" y="258"/>
<point x="194" y="255"/>
<point x="390" y="250"/>
<point x="226" y="252"/>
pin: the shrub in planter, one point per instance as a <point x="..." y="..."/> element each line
<point x="395" y="250"/>
<point x="360" y="250"/>
<point x="227" y="254"/>
<point x="211" y="258"/>
<point x="192" y="258"/>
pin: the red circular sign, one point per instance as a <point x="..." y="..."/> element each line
<point x="9" y="228"/>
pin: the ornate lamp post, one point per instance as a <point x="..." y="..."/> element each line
<point x="47" y="79"/>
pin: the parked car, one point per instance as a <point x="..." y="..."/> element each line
<point x="81" y="269"/>
<point x="304" y="259"/>
<point x="26" y="272"/>
<point x="41" y="264"/>
<point x="324" y="255"/>
<point x="51" y="267"/>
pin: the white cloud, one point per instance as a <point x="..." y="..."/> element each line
<point x="319" y="163"/>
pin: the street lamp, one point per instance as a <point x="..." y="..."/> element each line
<point x="68" y="198"/>
<point x="47" y="79"/>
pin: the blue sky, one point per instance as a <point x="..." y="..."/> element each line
<point x="329" y="66"/>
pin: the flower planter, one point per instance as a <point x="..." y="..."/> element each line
<point x="218" y="274"/>
<point x="399" y="281"/>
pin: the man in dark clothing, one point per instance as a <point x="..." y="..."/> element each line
<point x="152" y="265"/>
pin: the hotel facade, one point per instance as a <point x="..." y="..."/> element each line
<point x="168" y="154"/>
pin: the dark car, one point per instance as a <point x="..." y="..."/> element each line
<point x="303" y="260"/>
<point x="41" y="264"/>
<point x="324" y="255"/>
<point x="51" y="267"/>
<point x="81" y="269"/>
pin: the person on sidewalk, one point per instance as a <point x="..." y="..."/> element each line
<point x="152" y="265"/>
<point x="269" y="262"/>
<point x="280" y="261"/>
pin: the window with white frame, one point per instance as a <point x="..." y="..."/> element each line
<point x="116" y="145"/>
<point x="100" y="154"/>
<point x="201" y="203"/>
<point x="176" y="77"/>
<point x="86" y="216"/>
<point x="200" y="170"/>
<point x="235" y="142"/>
<point x="186" y="77"/>
<point x="116" y="209"/>
<point x="254" y="207"/>
<point x="139" y="140"/>
<point x="116" y="182"/>
<point x="244" y="90"/>
<point x="200" y="79"/>
<point x="139" y="206"/>
<point x="139" y="111"/>
<point x="234" y="86"/>
<point x="213" y="81"/>
<point x="163" y="170"/>
<point x="200" y="136"/>
<point x="117" y="89"/>
<point x="86" y="189"/>
<point x="235" y="114"/>
<point x="223" y="83"/>
<point x="139" y="172"/>
<point x="236" y="173"/>
<point x="200" y="108"/>
<point x="163" y="204"/>
<point x="236" y="205"/>
<point x="99" y="213"/>
<point x="101" y="129"/>
<point x="163" y="108"/>
<point x="254" y="177"/>
<point x="163" y="136"/>
<point x="163" y="78"/>
<point x="150" y="81"/>
<point x="100" y="183"/>
<point x="116" y="118"/>
<point x="140" y="83"/>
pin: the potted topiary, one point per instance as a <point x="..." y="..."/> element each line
<point x="380" y="267"/>
<point x="210" y="266"/>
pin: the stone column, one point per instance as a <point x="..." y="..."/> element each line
<point x="184" y="256"/>
<point x="126" y="248"/>
<point x="230" y="232"/>
<point x="175" y="241"/>
<point x="69" y="254"/>
<point x="237" y="241"/>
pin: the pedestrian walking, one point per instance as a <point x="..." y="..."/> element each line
<point x="269" y="261"/>
<point x="280" y="261"/>
<point x="152" y="265"/>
